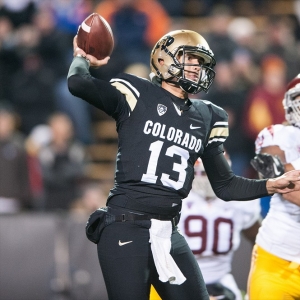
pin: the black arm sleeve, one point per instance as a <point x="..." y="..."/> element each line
<point x="228" y="186"/>
<point x="98" y="93"/>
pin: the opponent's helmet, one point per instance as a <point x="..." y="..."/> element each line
<point x="291" y="105"/>
<point x="168" y="49"/>
<point x="201" y="184"/>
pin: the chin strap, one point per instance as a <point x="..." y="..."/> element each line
<point x="189" y="86"/>
<point x="185" y="85"/>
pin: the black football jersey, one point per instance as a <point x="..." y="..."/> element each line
<point x="158" y="143"/>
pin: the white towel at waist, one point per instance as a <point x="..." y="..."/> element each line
<point x="160" y="239"/>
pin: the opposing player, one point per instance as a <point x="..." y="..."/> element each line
<point x="212" y="229"/>
<point x="161" y="135"/>
<point x="275" y="271"/>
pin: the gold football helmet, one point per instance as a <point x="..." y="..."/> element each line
<point x="175" y="44"/>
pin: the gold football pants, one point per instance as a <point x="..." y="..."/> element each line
<point x="153" y="294"/>
<point x="272" y="278"/>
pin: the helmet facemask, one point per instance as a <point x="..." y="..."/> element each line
<point x="206" y="73"/>
<point x="169" y="50"/>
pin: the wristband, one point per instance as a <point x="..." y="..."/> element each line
<point x="79" y="55"/>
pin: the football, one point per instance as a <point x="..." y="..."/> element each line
<point x="95" y="37"/>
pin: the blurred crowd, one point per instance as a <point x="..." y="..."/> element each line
<point x="45" y="131"/>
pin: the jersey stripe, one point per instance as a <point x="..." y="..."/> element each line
<point x="128" y="84"/>
<point x="225" y="124"/>
<point x="219" y="132"/>
<point x="130" y="97"/>
<point x="216" y="139"/>
<point x="127" y="89"/>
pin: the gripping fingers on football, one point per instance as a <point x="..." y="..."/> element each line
<point x="77" y="50"/>
<point x="96" y="63"/>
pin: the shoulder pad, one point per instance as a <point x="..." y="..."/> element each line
<point x="217" y="119"/>
<point x="216" y="109"/>
<point x="269" y="136"/>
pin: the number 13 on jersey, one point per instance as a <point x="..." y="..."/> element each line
<point x="156" y="150"/>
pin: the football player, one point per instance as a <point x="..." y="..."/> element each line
<point x="275" y="270"/>
<point x="161" y="135"/>
<point x="212" y="229"/>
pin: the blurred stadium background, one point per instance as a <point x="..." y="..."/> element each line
<point x="44" y="253"/>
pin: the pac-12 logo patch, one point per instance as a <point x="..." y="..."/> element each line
<point x="161" y="109"/>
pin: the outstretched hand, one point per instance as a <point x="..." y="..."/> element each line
<point x="94" y="62"/>
<point x="286" y="183"/>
